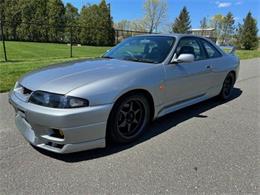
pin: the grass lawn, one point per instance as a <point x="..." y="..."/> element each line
<point x="247" y="54"/>
<point x="25" y="56"/>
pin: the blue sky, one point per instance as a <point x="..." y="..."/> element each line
<point x="133" y="9"/>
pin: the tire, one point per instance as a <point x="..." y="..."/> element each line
<point x="227" y="87"/>
<point x="128" y="119"/>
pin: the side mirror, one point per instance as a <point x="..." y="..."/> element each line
<point x="183" y="58"/>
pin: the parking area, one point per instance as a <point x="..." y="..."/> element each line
<point x="211" y="147"/>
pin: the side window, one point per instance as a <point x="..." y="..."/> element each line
<point x="210" y="49"/>
<point x="190" y="46"/>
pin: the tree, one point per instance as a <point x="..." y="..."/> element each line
<point x="217" y="23"/>
<point x="249" y="32"/>
<point x="182" y="23"/>
<point x="228" y="27"/>
<point x="27" y="11"/>
<point x="35" y="20"/>
<point x="33" y="13"/>
<point x="238" y="36"/>
<point x="229" y="22"/>
<point x="138" y="25"/>
<point x="134" y="25"/>
<point x="155" y="13"/>
<point x="106" y="35"/>
<point x="224" y="27"/>
<point x="11" y="14"/>
<point x="87" y="20"/>
<point x="56" y="20"/>
<point x="71" y="14"/>
<point x="203" y="24"/>
<point x="2" y="6"/>
<point x="71" y="21"/>
<point x="96" y="25"/>
<point x="123" y="25"/>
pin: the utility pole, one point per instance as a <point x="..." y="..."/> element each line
<point x="71" y="42"/>
<point x="3" y="38"/>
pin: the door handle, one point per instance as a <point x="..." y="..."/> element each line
<point x="209" y="67"/>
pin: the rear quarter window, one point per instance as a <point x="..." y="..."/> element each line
<point x="211" y="51"/>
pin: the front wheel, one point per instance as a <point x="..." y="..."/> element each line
<point x="227" y="87"/>
<point x="128" y="119"/>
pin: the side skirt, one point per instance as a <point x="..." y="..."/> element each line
<point x="182" y="104"/>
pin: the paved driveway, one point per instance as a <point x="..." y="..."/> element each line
<point x="210" y="147"/>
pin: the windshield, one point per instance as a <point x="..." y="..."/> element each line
<point x="150" y="49"/>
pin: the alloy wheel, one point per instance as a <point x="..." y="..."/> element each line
<point x="130" y="118"/>
<point x="227" y="86"/>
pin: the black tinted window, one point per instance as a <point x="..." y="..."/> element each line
<point x="153" y="49"/>
<point x="190" y="46"/>
<point x="210" y="49"/>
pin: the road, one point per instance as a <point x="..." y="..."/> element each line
<point x="211" y="147"/>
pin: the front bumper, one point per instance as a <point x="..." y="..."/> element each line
<point x="83" y="128"/>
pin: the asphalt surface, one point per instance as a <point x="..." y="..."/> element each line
<point x="210" y="148"/>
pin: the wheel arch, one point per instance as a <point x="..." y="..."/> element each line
<point x="141" y="91"/>
<point x="144" y="92"/>
<point x="234" y="73"/>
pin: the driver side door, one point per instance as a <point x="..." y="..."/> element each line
<point x="188" y="80"/>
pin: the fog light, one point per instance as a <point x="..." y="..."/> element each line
<point x="61" y="133"/>
<point x="57" y="133"/>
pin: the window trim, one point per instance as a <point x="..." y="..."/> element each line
<point x="197" y="40"/>
<point x="208" y="57"/>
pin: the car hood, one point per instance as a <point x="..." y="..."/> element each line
<point x="64" y="78"/>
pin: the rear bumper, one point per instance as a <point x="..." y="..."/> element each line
<point x="83" y="128"/>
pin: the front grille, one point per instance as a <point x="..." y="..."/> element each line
<point x="55" y="145"/>
<point x="26" y="91"/>
<point x="22" y="92"/>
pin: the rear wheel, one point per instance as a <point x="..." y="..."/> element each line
<point x="128" y="119"/>
<point x="227" y="87"/>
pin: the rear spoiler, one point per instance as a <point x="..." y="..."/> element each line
<point x="228" y="49"/>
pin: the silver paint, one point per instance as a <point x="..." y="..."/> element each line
<point x="102" y="82"/>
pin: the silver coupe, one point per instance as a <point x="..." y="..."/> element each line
<point x="81" y="105"/>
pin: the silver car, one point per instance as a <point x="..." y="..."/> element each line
<point x="79" y="106"/>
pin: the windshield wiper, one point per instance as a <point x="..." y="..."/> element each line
<point x="142" y="60"/>
<point x="108" y="57"/>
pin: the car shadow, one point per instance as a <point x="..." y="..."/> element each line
<point x="157" y="127"/>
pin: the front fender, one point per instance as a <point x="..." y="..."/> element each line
<point x="108" y="90"/>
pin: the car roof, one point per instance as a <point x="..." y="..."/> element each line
<point x="179" y="36"/>
<point x="176" y="35"/>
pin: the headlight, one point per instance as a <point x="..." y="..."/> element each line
<point x="56" y="100"/>
<point x="16" y="85"/>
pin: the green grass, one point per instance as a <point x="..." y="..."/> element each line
<point x="248" y="54"/>
<point x="25" y="56"/>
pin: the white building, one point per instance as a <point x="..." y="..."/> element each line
<point x="205" y="32"/>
